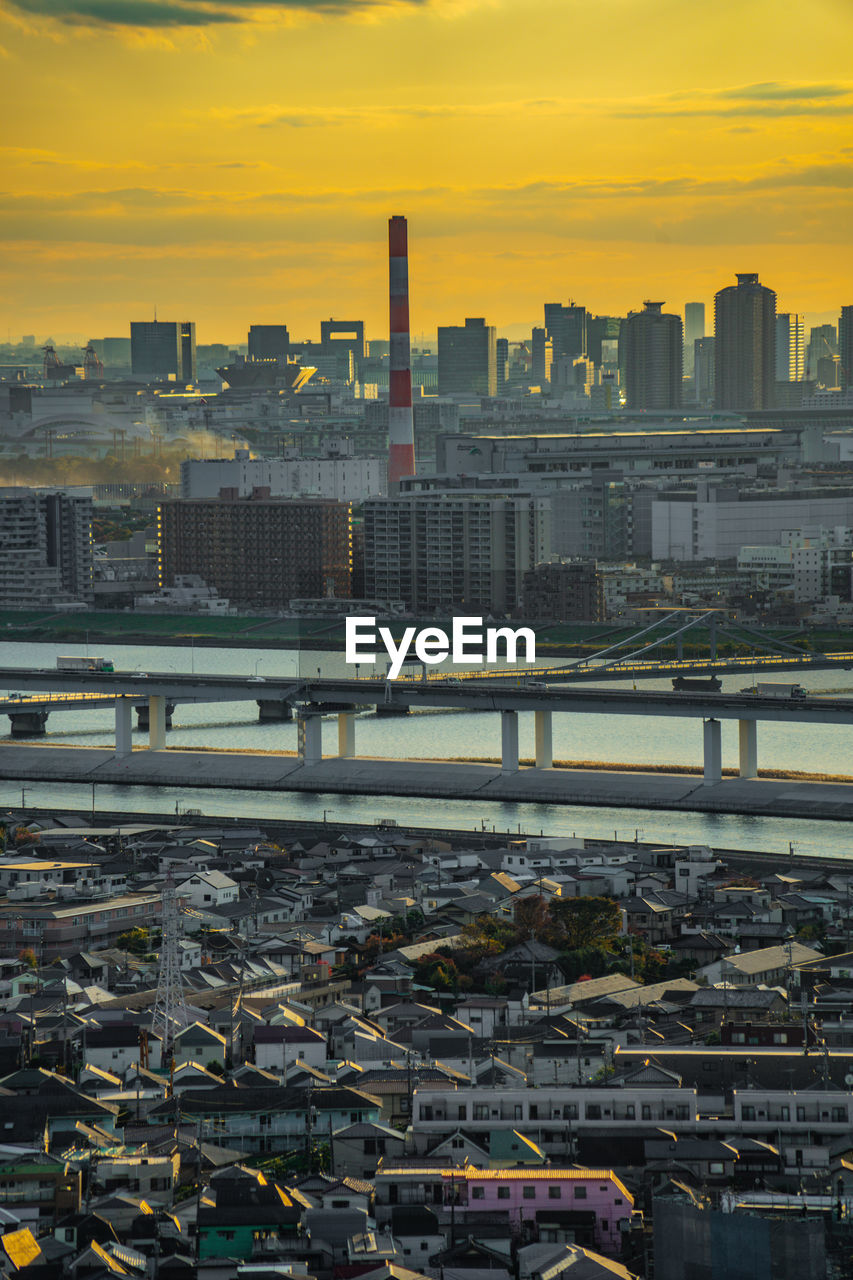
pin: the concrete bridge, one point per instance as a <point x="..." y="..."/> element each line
<point x="311" y="699"/>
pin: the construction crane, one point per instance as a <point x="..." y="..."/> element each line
<point x="52" y="369"/>
<point x="93" y="367"/>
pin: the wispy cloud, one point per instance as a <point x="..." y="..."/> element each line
<point x="772" y="98"/>
<point x="158" y="14"/>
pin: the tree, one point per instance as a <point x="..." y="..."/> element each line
<point x="134" y="940"/>
<point x="586" y="922"/>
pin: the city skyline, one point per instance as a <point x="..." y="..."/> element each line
<point x="240" y="165"/>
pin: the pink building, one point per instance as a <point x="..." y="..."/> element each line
<point x="584" y="1200"/>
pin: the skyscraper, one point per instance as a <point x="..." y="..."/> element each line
<point x="163" y="350"/>
<point x="566" y="326"/>
<point x="654" y="353"/>
<point x="745" y="345"/>
<point x="694" y="327"/>
<point x="502" y="359"/>
<point x="541" y="355"/>
<point x="790" y="347"/>
<point x="845" y="345"/>
<point x="467" y="359"/>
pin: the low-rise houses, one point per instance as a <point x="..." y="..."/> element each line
<point x="404" y="1058"/>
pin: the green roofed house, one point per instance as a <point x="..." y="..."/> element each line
<point x="241" y="1208"/>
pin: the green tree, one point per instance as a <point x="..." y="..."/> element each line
<point x="586" y="922"/>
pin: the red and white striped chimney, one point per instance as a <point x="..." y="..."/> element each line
<point x="401" y="431"/>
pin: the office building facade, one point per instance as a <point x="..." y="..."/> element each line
<point x="566" y="326"/>
<point x="269" y="342"/>
<point x="845" y="346"/>
<point x="654" y="352"/>
<point x="259" y="552"/>
<point x="745" y="345"/>
<point x="790" y="347"/>
<point x="163" y="350"/>
<point x="467" y="359"/>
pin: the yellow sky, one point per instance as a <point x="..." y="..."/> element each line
<point x="236" y="163"/>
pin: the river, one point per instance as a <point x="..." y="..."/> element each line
<point x="446" y="734"/>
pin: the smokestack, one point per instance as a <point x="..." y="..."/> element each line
<point x="401" y="431"/>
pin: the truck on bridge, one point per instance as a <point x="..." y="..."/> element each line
<point x="697" y="684"/>
<point x="768" y="689"/>
<point x="84" y="664"/>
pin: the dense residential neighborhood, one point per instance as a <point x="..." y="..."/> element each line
<point x="337" y="1052"/>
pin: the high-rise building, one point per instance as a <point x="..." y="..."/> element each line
<point x="704" y="369"/>
<point x="45" y="547"/>
<point x="343" y="342"/>
<point x="745" y="347"/>
<point x="823" y="341"/>
<point x="502" y="362"/>
<point x="694" y="327"/>
<point x="790" y="347"/>
<point x="602" y="338"/>
<point x="259" y="552"/>
<point x="269" y="342"/>
<point x="566" y="326"/>
<point x="189" y="370"/>
<point x="541" y="356"/>
<point x="654" y="352"/>
<point x="845" y="345"/>
<point x="454" y="550"/>
<point x="563" y="591"/>
<point x="163" y="350"/>
<point x="467" y="359"/>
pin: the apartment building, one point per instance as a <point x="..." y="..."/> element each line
<point x="454" y="550"/>
<point x="45" y="548"/>
<point x="259" y="551"/>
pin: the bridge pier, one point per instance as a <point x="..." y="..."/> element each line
<point x="270" y="709"/>
<point x="346" y="735"/>
<point x="713" y="773"/>
<point x="27" y="724"/>
<point x="544" y="740"/>
<point x="143" y="714"/>
<point x="309" y="737"/>
<point x="157" y="722"/>
<point x="124" y="726"/>
<point x="748" y="748"/>
<point x="509" y="742"/>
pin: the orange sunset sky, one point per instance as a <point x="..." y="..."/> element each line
<point x="233" y="162"/>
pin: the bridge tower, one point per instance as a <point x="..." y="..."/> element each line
<point x="170" y="1009"/>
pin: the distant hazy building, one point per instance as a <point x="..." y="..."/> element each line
<point x="563" y="590"/>
<point x="790" y="347"/>
<point x="269" y="342"/>
<point x="845" y="345"/>
<point x="541" y="357"/>
<point x="694" y="327"/>
<point x="259" y="552"/>
<point x="704" y="369"/>
<point x="339" y="475"/>
<point x="654" y="353"/>
<point x="823" y="342"/>
<point x="467" y="359"/>
<point x="602" y="338"/>
<point x="454" y="550"/>
<point x="745" y="347"/>
<point x="115" y="353"/>
<point x="713" y="522"/>
<point x="502" y="361"/>
<point x="163" y="350"/>
<point x="45" y="548"/>
<point x="566" y="326"/>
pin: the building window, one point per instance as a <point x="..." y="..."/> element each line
<point x="529" y="1193"/>
<point x="580" y="1193"/>
<point x="555" y="1193"/>
<point x="478" y="1193"/>
<point x="503" y="1193"/>
<point x="748" y="1113"/>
